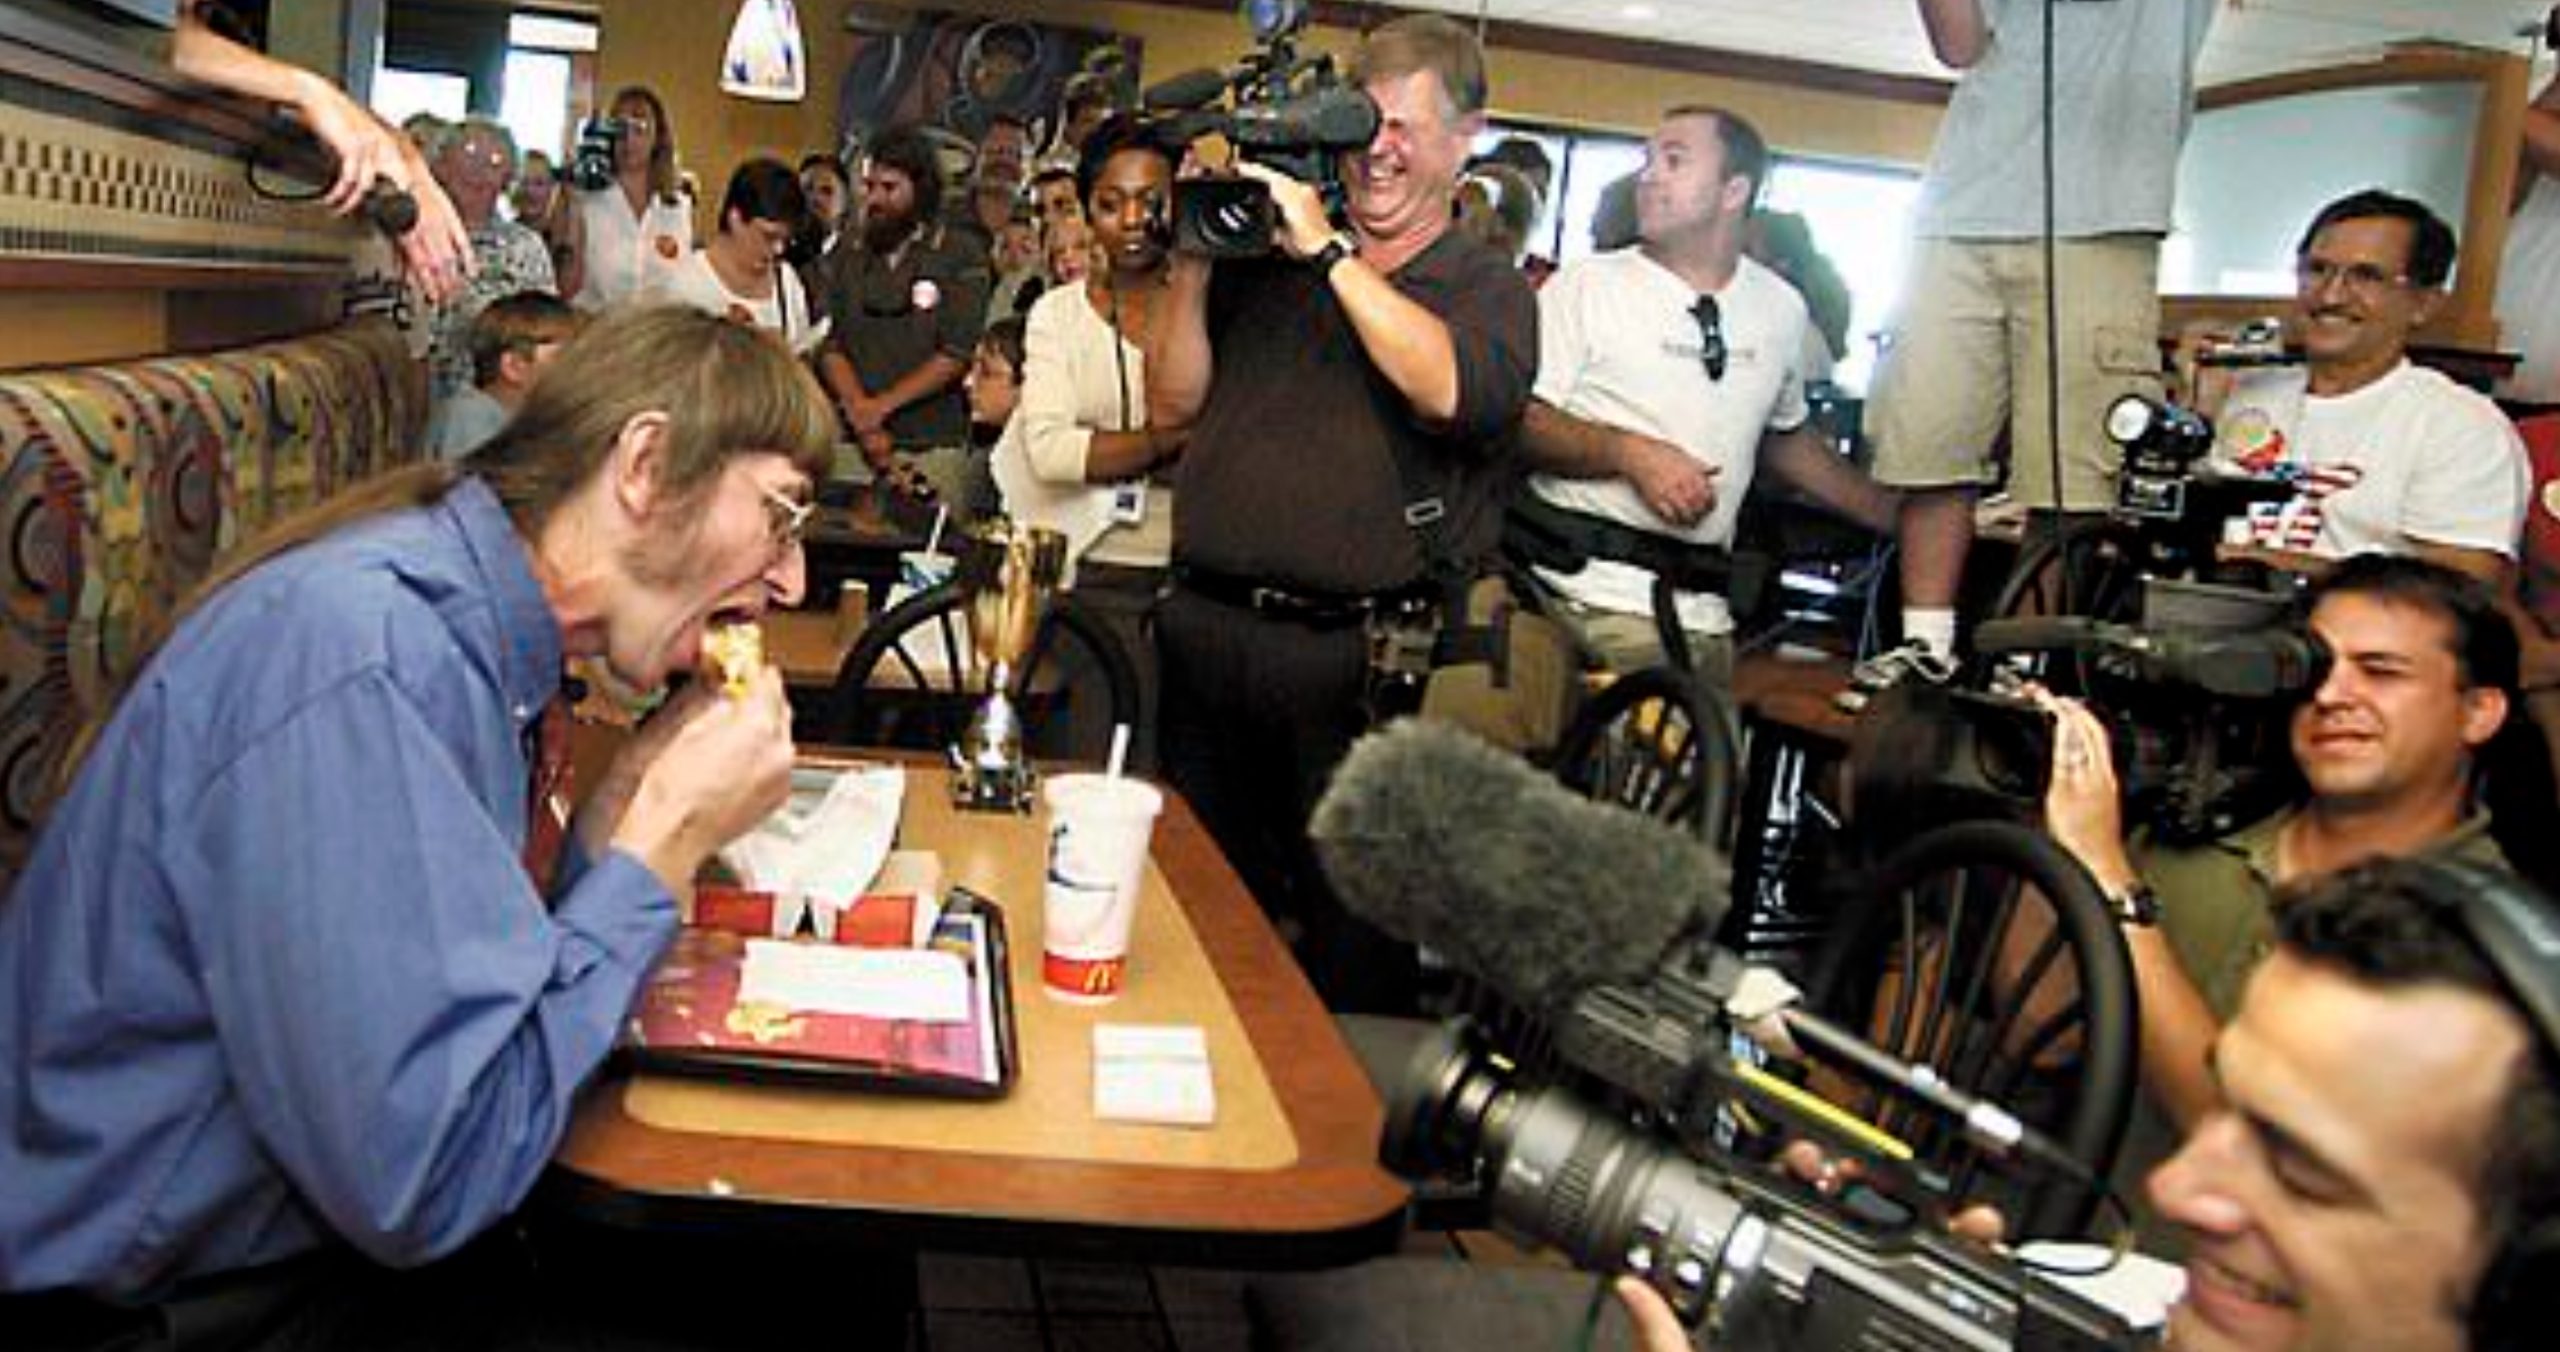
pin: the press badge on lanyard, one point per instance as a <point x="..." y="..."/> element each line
<point x="1129" y="502"/>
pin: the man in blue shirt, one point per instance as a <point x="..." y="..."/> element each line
<point x="278" y="981"/>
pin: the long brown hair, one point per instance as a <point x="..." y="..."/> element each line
<point x="727" y="390"/>
<point x="662" y="152"/>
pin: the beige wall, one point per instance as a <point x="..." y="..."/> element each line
<point x="674" y="45"/>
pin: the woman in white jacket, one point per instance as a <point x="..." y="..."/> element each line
<point x="1079" y="456"/>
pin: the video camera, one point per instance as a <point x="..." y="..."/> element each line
<point x="1292" y="113"/>
<point x="1760" y="1261"/>
<point x="2195" y="686"/>
<point x="591" y="164"/>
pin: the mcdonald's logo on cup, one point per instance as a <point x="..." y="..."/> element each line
<point x="1099" y="827"/>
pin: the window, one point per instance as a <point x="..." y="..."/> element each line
<point x="1860" y="216"/>
<point x="447" y="62"/>
<point x="403" y="94"/>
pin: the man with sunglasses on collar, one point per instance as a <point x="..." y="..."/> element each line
<point x="1667" y="375"/>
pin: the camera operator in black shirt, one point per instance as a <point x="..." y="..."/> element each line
<point x="1350" y="401"/>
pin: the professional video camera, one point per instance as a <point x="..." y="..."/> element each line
<point x="1599" y="1126"/>
<point x="1280" y="109"/>
<point x="2172" y="498"/>
<point x="1762" y="1262"/>
<point x="2195" y="685"/>
<point x="599" y="143"/>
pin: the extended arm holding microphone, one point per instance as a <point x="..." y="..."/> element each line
<point x="377" y="166"/>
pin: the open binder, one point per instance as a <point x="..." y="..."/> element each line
<point x="689" y="1019"/>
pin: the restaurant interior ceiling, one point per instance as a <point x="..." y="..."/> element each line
<point x="2250" y="37"/>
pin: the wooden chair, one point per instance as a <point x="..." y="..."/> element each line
<point x="913" y="680"/>
<point x="1984" y="951"/>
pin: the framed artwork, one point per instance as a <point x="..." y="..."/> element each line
<point x="956" y="73"/>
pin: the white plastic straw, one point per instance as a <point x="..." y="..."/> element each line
<point x="933" y="540"/>
<point x="1119" y="750"/>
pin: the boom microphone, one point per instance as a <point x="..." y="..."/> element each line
<point x="1443" y="840"/>
<point x="392" y="210"/>
<point x="1190" y="89"/>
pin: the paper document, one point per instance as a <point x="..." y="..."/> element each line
<point x="926" y="985"/>
<point x="1153" y="1073"/>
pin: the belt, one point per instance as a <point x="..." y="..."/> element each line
<point x="1316" y="610"/>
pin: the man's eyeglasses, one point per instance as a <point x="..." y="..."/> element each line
<point x="1711" y="347"/>
<point x="785" y="517"/>
<point x="2315" y="275"/>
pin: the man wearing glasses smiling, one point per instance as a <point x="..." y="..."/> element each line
<point x="1667" y="373"/>
<point x="2391" y="456"/>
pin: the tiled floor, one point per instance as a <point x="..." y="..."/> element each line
<point x="969" y="1304"/>
<point x="1003" y="1304"/>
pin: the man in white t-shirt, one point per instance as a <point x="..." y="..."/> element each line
<point x="1667" y="374"/>
<point x="2389" y="456"/>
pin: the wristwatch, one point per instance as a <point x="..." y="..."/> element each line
<point x="1340" y="247"/>
<point x="2137" y="905"/>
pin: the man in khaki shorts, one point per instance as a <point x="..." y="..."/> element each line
<point x="1968" y="353"/>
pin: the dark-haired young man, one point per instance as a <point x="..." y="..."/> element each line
<point x="904" y="309"/>
<point x="2422" y="676"/>
<point x="2383" y="1168"/>
<point x="1667" y="374"/>
<point x="2391" y="456"/>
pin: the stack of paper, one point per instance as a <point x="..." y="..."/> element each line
<point x="1153" y="1073"/>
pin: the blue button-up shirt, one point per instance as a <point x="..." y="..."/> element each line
<point x="276" y="972"/>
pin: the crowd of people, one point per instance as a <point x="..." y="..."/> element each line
<point x="1256" y="462"/>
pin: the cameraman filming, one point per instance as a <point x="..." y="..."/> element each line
<point x="1357" y="381"/>
<point x="2422" y="674"/>
<point x="2382" y="1169"/>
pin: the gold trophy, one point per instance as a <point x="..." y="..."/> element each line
<point x="1008" y="573"/>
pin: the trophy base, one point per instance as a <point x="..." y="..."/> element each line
<point x="977" y="786"/>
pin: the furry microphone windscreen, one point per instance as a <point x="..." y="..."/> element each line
<point x="1447" y="841"/>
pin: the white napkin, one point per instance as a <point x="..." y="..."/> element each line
<point x="831" y="849"/>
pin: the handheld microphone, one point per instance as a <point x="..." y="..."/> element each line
<point x="391" y="209"/>
<point x="1441" y="839"/>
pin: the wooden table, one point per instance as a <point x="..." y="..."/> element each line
<point x="1288" y="1177"/>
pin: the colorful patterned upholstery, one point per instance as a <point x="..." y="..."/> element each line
<point x="119" y="487"/>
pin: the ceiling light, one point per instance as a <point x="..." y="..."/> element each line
<point x="766" y="58"/>
<point x="1639" y="13"/>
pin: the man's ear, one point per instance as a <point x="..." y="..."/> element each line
<point x="2484" y="711"/>
<point x="2430" y="301"/>
<point x="638" y="466"/>
<point x="515" y="368"/>
<point x="1735" y="196"/>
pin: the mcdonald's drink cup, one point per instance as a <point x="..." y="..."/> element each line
<point x="1098" y="832"/>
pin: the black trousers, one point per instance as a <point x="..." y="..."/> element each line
<point x="1257" y="712"/>
<point x="319" y="1302"/>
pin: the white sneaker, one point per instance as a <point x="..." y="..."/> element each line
<point x="1910" y="661"/>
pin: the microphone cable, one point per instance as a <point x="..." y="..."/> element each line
<point x="2052" y="337"/>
